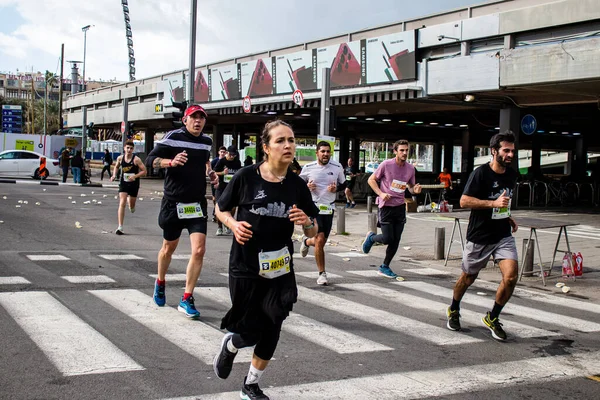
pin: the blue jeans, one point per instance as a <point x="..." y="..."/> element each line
<point x="76" y="174"/>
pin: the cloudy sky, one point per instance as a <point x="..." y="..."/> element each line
<point x="31" y="31"/>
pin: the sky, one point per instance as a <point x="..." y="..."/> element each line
<point x="31" y="31"/>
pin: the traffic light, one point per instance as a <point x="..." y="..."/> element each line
<point x="130" y="130"/>
<point x="178" y="115"/>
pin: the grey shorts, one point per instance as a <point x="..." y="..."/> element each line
<point x="476" y="256"/>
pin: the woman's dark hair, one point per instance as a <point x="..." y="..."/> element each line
<point x="506" y="136"/>
<point x="265" y="136"/>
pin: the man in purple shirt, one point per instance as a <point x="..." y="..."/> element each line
<point x="389" y="182"/>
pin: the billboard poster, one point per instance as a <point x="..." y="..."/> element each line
<point x="344" y="61"/>
<point x="174" y="89"/>
<point x="296" y="71"/>
<point x="225" y="83"/>
<point x="391" y="58"/>
<point x="201" y="92"/>
<point x="257" y="77"/>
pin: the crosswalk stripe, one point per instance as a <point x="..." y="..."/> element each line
<point x="88" y="279"/>
<point x="369" y="273"/>
<point x="171" y="277"/>
<point x="120" y="257"/>
<point x="315" y="275"/>
<point x="47" y="257"/>
<point x="74" y="347"/>
<point x="13" y="280"/>
<point x="194" y="337"/>
<point x="349" y="254"/>
<point x="324" y="335"/>
<point x="437" y="383"/>
<point x="407" y="326"/>
<point x="426" y="271"/>
<point x="439" y="308"/>
<point x="181" y="256"/>
<point x="511" y="308"/>
<point x="545" y="298"/>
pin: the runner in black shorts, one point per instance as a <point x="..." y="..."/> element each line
<point x="488" y="193"/>
<point x="213" y="163"/>
<point x="324" y="178"/>
<point x="185" y="153"/>
<point x="225" y="168"/>
<point x="351" y="172"/>
<point x="270" y="199"/>
<point x="132" y="169"/>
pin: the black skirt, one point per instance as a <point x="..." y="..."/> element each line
<point x="259" y="304"/>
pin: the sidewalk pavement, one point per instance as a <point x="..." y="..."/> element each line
<point x="417" y="249"/>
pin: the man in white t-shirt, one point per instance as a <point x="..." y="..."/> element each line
<point x="324" y="178"/>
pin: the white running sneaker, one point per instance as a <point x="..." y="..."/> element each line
<point x="304" y="247"/>
<point x="227" y="231"/>
<point x="219" y="231"/>
<point x="322" y="279"/>
<point x="119" y="230"/>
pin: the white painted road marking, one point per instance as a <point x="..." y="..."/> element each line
<point x="89" y="279"/>
<point x="47" y="257"/>
<point x="120" y="257"/>
<point x="13" y="280"/>
<point x="171" y="277"/>
<point x="74" y="347"/>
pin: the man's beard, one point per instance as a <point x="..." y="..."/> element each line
<point x="503" y="163"/>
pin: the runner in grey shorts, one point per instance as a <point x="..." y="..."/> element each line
<point x="488" y="194"/>
<point x="476" y="256"/>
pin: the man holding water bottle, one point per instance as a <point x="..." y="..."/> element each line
<point x="488" y="194"/>
<point x="324" y="178"/>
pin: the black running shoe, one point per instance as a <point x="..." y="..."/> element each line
<point x="494" y="326"/>
<point x="453" y="320"/>
<point x="252" y="392"/>
<point x="223" y="361"/>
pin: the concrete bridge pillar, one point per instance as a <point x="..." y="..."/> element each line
<point x="217" y="137"/>
<point x="448" y="153"/>
<point x="468" y="155"/>
<point x="510" y="119"/>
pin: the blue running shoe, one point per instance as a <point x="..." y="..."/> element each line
<point x="159" y="294"/>
<point x="188" y="308"/>
<point x="384" y="270"/>
<point x="368" y="242"/>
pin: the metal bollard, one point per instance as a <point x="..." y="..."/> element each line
<point x="528" y="265"/>
<point x="372" y="222"/>
<point x="369" y="204"/>
<point x="439" y="243"/>
<point x="341" y="220"/>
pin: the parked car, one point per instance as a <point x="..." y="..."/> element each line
<point x="371" y="167"/>
<point x="27" y="163"/>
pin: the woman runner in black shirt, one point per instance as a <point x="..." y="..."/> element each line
<point x="270" y="200"/>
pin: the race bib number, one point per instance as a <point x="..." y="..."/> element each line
<point x="501" y="212"/>
<point x="398" y="186"/>
<point x="126" y="176"/>
<point x="325" y="209"/>
<point x="189" y="210"/>
<point x="227" y="178"/>
<point x="274" y="264"/>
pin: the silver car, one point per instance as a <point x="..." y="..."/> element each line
<point x="27" y="163"/>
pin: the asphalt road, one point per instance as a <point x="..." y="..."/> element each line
<point x="77" y="320"/>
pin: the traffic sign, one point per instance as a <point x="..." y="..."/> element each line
<point x="247" y="104"/>
<point x="12" y="118"/>
<point x="158" y="108"/>
<point x="298" y="97"/>
<point x="123" y="127"/>
<point x="528" y="124"/>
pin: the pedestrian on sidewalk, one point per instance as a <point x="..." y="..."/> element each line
<point x="132" y="169"/>
<point x="323" y="178"/>
<point x="488" y="194"/>
<point x="225" y="168"/>
<point x="77" y="166"/>
<point x="185" y="154"/>
<point x="213" y="189"/>
<point x="65" y="163"/>
<point x="270" y="199"/>
<point x="351" y="171"/>
<point x="389" y="182"/>
<point x="107" y="162"/>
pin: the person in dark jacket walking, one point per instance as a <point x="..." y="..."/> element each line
<point x="107" y="161"/>
<point x="65" y="162"/>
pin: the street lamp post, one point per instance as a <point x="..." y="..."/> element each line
<point x="84" y="29"/>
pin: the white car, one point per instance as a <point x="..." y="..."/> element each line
<point x="27" y="163"/>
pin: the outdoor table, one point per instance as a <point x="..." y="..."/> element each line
<point x="524" y="222"/>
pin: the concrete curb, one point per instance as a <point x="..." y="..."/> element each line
<point x="57" y="183"/>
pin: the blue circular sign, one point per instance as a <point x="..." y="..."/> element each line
<point x="528" y="124"/>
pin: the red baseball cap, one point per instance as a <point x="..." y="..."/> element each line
<point x="194" y="109"/>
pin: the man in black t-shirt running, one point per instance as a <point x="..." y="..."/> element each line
<point x="488" y="193"/>
<point x="225" y="168"/>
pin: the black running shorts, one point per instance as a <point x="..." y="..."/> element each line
<point x="131" y="189"/>
<point x="325" y="222"/>
<point x="172" y="225"/>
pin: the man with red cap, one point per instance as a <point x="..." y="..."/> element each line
<point x="185" y="154"/>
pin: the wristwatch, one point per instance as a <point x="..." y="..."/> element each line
<point x="312" y="223"/>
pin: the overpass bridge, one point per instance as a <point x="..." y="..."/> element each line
<point x="452" y="80"/>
